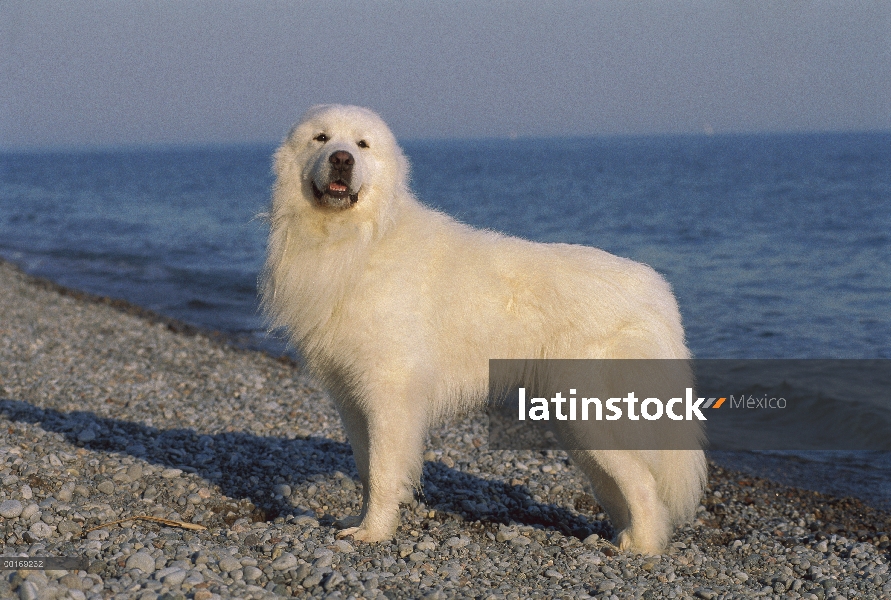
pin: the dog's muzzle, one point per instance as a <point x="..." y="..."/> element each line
<point x="336" y="192"/>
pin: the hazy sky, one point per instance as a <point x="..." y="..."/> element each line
<point x="78" y="72"/>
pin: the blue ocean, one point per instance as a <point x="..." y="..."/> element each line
<point x="777" y="246"/>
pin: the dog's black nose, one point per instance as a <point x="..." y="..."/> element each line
<point x="342" y="160"/>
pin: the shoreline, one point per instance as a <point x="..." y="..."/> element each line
<point x="109" y="411"/>
<point x="152" y="317"/>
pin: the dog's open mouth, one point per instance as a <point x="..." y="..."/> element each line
<point x="335" y="190"/>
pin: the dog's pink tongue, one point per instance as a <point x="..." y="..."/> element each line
<point x="337" y="187"/>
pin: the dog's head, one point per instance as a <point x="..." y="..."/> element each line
<point x="340" y="181"/>
<point x="339" y="158"/>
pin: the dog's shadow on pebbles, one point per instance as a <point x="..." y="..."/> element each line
<point x="263" y="478"/>
<point x="496" y="502"/>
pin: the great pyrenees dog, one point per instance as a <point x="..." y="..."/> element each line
<point x="397" y="308"/>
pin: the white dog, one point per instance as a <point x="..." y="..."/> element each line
<point x="397" y="309"/>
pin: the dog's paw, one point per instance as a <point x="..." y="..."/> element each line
<point x="630" y="541"/>
<point x="363" y="535"/>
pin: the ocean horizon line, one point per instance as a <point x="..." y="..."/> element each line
<point x="209" y="145"/>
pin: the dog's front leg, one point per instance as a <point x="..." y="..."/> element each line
<point x="387" y="434"/>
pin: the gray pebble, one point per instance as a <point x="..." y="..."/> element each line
<point x="252" y="573"/>
<point x="306" y="521"/>
<point x="136" y="450"/>
<point x="142" y="561"/>
<point x="38" y="578"/>
<point x="313" y="580"/>
<point x="300" y="573"/>
<point x="41" y="530"/>
<point x="66" y="492"/>
<point x="174" y="577"/>
<point x="284" y="562"/>
<point x="135" y="472"/>
<point x="68" y="526"/>
<point x="28" y="591"/>
<point x="229" y="563"/>
<point x="29" y="511"/>
<point x="71" y="581"/>
<point x="106" y="487"/>
<point x="10" y="509"/>
<point x="321" y="562"/>
<point x="87" y="435"/>
<point x="162" y="573"/>
<point x="333" y="580"/>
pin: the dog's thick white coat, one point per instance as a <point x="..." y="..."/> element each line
<point x="397" y="309"/>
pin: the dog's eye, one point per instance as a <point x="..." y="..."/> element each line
<point x="362" y="144"/>
<point x="321" y="138"/>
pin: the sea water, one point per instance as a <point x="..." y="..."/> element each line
<point x="777" y="246"/>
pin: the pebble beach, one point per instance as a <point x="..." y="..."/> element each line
<point x="177" y="465"/>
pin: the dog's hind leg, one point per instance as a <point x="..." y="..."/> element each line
<point x="624" y="485"/>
